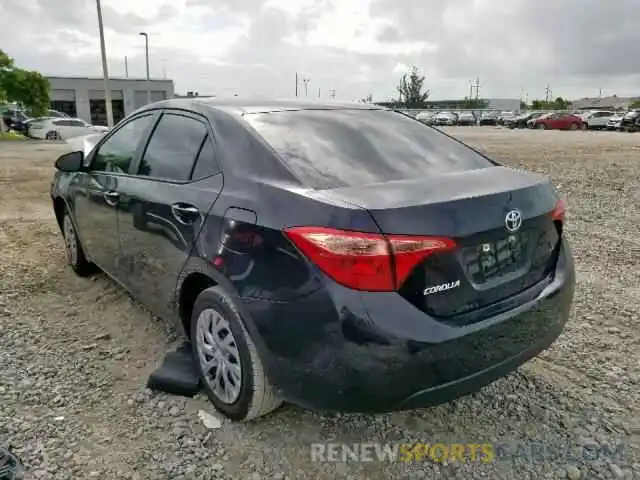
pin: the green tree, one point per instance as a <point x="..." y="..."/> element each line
<point x="557" y="104"/>
<point x="367" y="99"/>
<point x="635" y="104"/>
<point x="561" y="104"/>
<point x="412" y="91"/>
<point x="28" y="88"/>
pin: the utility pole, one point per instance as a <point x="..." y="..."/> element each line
<point x="600" y="92"/>
<point x="318" y="93"/>
<point x="477" y="87"/>
<point x="146" y="51"/>
<point x="105" y="71"/>
<point x="296" y="84"/>
<point x="547" y="94"/>
<point x="126" y="67"/>
<point x="470" y="89"/>
<point x="306" y="86"/>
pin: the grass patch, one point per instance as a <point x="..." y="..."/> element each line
<point x="11" y="136"/>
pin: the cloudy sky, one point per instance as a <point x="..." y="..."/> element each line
<point x="357" y="47"/>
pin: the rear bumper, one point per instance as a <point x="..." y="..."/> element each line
<point x="339" y="350"/>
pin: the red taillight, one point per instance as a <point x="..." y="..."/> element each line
<point x="365" y="261"/>
<point x="409" y="251"/>
<point x="558" y="211"/>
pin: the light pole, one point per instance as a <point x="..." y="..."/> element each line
<point x="146" y="49"/>
<point x="105" y="71"/>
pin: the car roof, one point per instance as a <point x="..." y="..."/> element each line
<point x="241" y="106"/>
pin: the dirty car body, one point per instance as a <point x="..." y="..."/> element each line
<point x="377" y="263"/>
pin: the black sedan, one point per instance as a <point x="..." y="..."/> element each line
<point x="340" y="257"/>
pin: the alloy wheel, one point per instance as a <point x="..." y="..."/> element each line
<point x="70" y="240"/>
<point x="218" y="356"/>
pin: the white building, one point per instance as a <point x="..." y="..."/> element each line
<point x="83" y="97"/>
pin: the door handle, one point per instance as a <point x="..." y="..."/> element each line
<point x="111" y="198"/>
<point x="185" y="214"/>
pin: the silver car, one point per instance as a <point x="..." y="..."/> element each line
<point x="446" y="119"/>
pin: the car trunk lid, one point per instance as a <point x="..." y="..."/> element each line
<point x="492" y="261"/>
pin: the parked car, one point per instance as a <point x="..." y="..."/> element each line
<point x="488" y="118"/>
<point x="631" y="121"/>
<point x="27" y="124"/>
<point x="62" y="128"/>
<point x="504" y="116"/>
<point x="428" y="118"/>
<point x="305" y="268"/>
<point x="14" y="119"/>
<point x="531" y="122"/>
<point x="615" y="121"/>
<point x="520" y="121"/>
<point x="446" y="119"/>
<point x="559" y="121"/>
<point x="467" y="118"/>
<point x="598" y="119"/>
<point x="584" y="114"/>
<point x="57" y="114"/>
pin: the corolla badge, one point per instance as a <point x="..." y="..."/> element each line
<point x="441" y="288"/>
<point x="513" y="220"/>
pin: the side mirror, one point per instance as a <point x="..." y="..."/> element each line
<point x="70" y="162"/>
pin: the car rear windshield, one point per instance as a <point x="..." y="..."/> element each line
<point x="340" y="148"/>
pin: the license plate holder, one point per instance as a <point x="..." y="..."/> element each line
<point x="495" y="257"/>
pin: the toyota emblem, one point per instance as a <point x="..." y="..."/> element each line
<point x="513" y="220"/>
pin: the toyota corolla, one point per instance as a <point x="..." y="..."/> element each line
<point x="339" y="257"/>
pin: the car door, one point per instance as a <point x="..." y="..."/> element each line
<point x="95" y="195"/>
<point x="77" y="128"/>
<point x="176" y="182"/>
<point x="553" y="121"/>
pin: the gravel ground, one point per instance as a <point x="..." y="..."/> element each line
<point x="75" y="354"/>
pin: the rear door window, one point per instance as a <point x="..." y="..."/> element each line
<point x="206" y="164"/>
<point x="335" y="148"/>
<point x="173" y="148"/>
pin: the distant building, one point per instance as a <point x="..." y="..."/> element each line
<point x="604" y="103"/>
<point x="83" y="97"/>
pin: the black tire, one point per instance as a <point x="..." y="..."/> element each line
<point x="53" y="135"/>
<point x="541" y="126"/>
<point x="77" y="261"/>
<point x="257" y="397"/>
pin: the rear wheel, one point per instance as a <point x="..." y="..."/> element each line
<point x="230" y="368"/>
<point x="573" y="126"/>
<point x="75" y="254"/>
<point x="53" y="135"/>
<point x="541" y="126"/>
